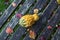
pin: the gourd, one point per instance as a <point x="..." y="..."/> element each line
<point x="28" y="20"/>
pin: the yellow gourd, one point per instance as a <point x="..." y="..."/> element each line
<point x="29" y="20"/>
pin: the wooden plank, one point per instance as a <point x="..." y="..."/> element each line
<point x="8" y="12"/>
<point x="13" y="22"/>
<point x="55" y="19"/>
<point x="50" y="8"/>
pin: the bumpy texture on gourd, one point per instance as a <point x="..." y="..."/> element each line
<point x="29" y="20"/>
